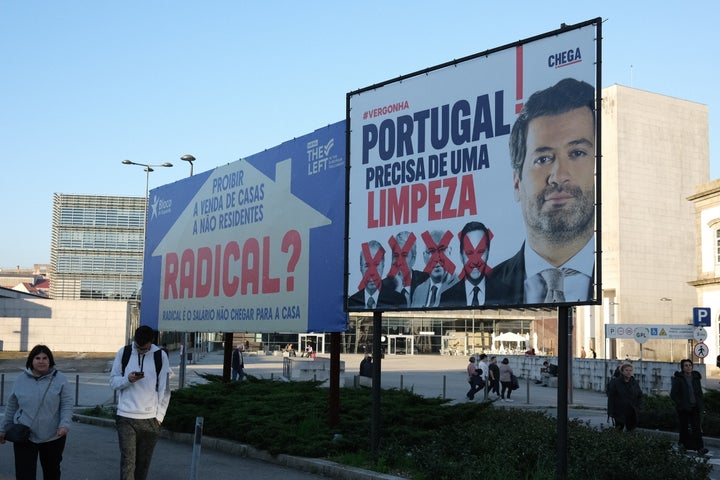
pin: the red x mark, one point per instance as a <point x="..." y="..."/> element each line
<point x="399" y="258"/>
<point x="437" y="252"/>
<point x="371" y="272"/>
<point x="475" y="255"/>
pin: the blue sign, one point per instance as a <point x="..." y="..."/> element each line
<point x="701" y="316"/>
<point x="256" y="245"/>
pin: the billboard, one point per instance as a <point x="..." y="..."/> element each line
<point x="252" y="246"/>
<point x="475" y="183"/>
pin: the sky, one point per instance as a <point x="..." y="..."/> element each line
<point x="87" y="84"/>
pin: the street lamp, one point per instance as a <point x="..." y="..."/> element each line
<point x="148" y="168"/>
<point x="190" y="159"/>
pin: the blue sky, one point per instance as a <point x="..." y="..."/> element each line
<point x="86" y="84"/>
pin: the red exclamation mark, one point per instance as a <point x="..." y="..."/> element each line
<point x="518" y="78"/>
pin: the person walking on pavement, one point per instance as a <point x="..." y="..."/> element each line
<point x="142" y="402"/>
<point x="687" y="395"/>
<point x="41" y="398"/>
<point x="624" y="398"/>
<point x="474" y="378"/>
<point x="505" y="380"/>
<point x="494" y="375"/>
<point x="237" y="364"/>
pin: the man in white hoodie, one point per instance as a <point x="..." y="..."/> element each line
<point x="143" y="398"/>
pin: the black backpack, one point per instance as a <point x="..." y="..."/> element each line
<point x="127" y="351"/>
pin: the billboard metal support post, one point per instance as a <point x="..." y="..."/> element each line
<point x="562" y="391"/>
<point x="377" y="356"/>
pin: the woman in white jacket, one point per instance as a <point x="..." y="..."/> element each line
<point x="41" y="399"/>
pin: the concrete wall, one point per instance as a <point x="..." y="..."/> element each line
<point x="63" y="325"/>
<point x="593" y="374"/>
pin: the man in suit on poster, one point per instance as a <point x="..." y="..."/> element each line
<point x="471" y="290"/>
<point x="552" y="150"/>
<point x="440" y="267"/>
<point x="371" y="295"/>
<point x="401" y="277"/>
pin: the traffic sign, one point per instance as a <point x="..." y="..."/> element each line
<point x="700" y="350"/>
<point x="642" y="335"/>
<point x="701" y="316"/>
<point x="700" y="334"/>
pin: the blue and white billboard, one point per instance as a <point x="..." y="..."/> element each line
<point x="252" y="246"/>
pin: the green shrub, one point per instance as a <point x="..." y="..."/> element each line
<point x="424" y="438"/>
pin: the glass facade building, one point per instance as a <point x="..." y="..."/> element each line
<point x="97" y="247"/>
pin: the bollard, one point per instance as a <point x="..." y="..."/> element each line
<point x="77" y="389"/>
<point x="444" y="386"/>
<point x="401" y="382"/>
<point x="2" y="389"/>
<point x="197" y="442"/>
<point x="527" y="383"/>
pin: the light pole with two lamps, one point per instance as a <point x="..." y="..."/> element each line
<point x="183" y="356"/>
<point x="148" y="168"/>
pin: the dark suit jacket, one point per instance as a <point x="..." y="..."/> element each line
<point x="386" y="298"/>
<point x="506" y="283"/>
<point x="455" y="296"/>
<point x="416" y="278"/>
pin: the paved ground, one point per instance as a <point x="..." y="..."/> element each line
<point x="92" y="450"/>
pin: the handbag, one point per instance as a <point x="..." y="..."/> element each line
<point x="514" y="383"/>
<point x="20" y="433"/>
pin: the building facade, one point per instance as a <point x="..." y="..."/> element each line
<point x="707" y="281"/>
<point x="655" y="153"/>
<point x="97" y="247"/>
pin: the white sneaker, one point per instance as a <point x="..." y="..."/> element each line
<point x="509" y="400"/>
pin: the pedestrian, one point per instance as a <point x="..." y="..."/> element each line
<point x="366" y="366"/>
<point x="687" y="395"/>
<point x="583" y="353"/>
<point x="42" y="400"/>
<point x="482" y="365"/>
<point x="474" y="378"/>
<point x="142" y="381"/>
<point x="237" y="364"/>
<point x="624" y="399"/>
<point x="494" y="374"/>
<point x="505" y="380"/>
<point x="594" y="354"/>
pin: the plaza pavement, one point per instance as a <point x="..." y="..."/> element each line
<point x="92" y="452"/>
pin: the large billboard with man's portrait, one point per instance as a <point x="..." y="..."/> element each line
<point x="474" y="183"/>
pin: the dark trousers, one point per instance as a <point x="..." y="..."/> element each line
<point x="506" y="388"/>
<point x="495" y="386"/>
<point x="237" y="374"/>
<point x="690" y="429"/>
<point x="629" y="421"/>
<point x="137" y="440"/>
<point x="474" y="387"/>
<point x="26" y="456"/>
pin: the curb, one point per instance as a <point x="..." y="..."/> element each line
<point x="310" y="465"/>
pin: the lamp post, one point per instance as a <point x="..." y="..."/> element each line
<point x="183" y="362"/>
<point x="190" y="159"/>
<point x="148" y="168"/>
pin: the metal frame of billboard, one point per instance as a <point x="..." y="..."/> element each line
<point x="396" y="171"/>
